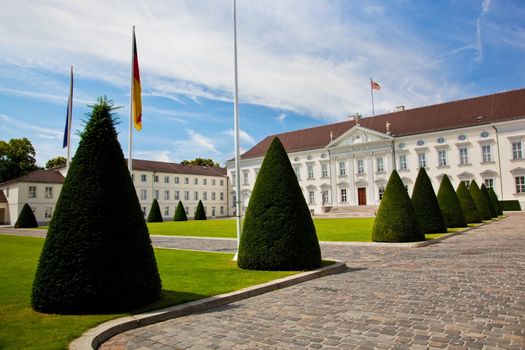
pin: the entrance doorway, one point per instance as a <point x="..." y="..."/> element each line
<point x="361" y="196"/>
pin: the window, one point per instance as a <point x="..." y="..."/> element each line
<point x="167" y="179"/>
<point x="32" y="192"/>
<point x="156" y="194"/>
<point x="176" y="179"/>
<point x="234" y="202"/>
<point x="196" y="195"/>
<point x="48" y="212"/>
<point x="489" y="183"/>
<point x="442" y="157"/>
<point x="222" y="210"/>
<point x="155" y="178"/>
<point x="517" y="152"/>
<point x="222" y="182"/>
<point x="49" y="192"/>
<point x="324" y="170"/>
<point x="379" y="165"/>
<point x="520" y="184"/>
<point x="422" y="160"/>
<point x="177" y="195"/>
<point x="187" y="210"/>
<point x="463" y="156"/>
<point x="144" y="211"/>
<point x="167" y="211"/>
<point x="195" y="181"/>
<point x="222" y="196"/>
<point x="213" y="211"/>
<point x="213" y="196"/>
<point x="467" y="183"/>
<point x="406" y="187"/>
<point x="360" y="166"/>
<point x="486" y="151"/>
<point x="343" y="195"/>
<point x="204" y="196"/>
<point x="143" y="177"/>
<point x="381" y="192"/>
<point x="311" y="197"/>
<point x="297" y="172"/>
<point x="143" y="194"/>
<point x="186" y="195"/>
<point x="204" y="181"/>
<point x="310" y="171"/>
<point x="342" y="169"/>
<point x="186" y="180"/>
<point x="403" y="162"/>
<point x="213" y="182"/>
<point x="167" y="195"/>
<point x="233" y="177"/>
<point x="245" y="178"/>
<point x="325" y="197"/>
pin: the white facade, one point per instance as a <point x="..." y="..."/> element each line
<point x="354" y="168"/>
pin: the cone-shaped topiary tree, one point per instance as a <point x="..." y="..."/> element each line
<point x="278" y="231"/>
<point x="396" y="219"/>
<point x="480" y="201"/>
<point x="180" y="213"/>
<point x="26" y="218"/>
<point x="97" y="257"/>
<point x="493" y="211"/>
<point x="154" y="213"/>
<point x="200" y="213"/>
<point x="449" y="204"/>
<point x="467" y="204"/>
<point x="426" y="205"/>
<point x="495" y="201"/>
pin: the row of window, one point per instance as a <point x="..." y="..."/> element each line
<point x="48" y="212"/>
<point x="144" y="178"/>
<point x="32" y="193"/>
<point x="168" y="212"/>
<point x="176" y="195"/>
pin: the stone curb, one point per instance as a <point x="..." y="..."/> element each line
<point x="94" y="337"/>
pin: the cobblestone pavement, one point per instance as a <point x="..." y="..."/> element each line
<point x="467" y="292"/>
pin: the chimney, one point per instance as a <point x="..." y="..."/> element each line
<point x="388" y="128"/>
<point x="399" y="109"/>
<point x="357" y="119"/>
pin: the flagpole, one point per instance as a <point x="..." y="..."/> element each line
<point x="236" y="127"/>
<point x="130" y="144"/>
<point x="372" y="94"/>
<point x="69" y="118"/>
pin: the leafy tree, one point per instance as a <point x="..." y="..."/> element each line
<point x="467" y="204"/>
<point x="56" y="162"/>
<point x="201" y="161"/>
<point x="26" y="218"/>
<point x="278" y="231"/>
<point x="97" y="257"/>
<point x="396" y="219"/>
<point x="426" y="205"/>
<point x="17" y="158"/>
<point x="200" y="213"/>
<point x="495" y="201"/>
<point x="450" y="205"/>
<point x="180" y="213"/>
<point x="154" y="213"/>
<point x="480" y="201"/>
<point x="492" y="209"/>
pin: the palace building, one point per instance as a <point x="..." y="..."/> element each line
<point x="343" y="165"/>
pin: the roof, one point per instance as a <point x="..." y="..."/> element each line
<point x="165" y="167"/>
<point x="2" y="197"/>
<point x="474" y="111"/>
<point x="39" y="176"/>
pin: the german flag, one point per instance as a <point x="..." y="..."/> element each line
<point x="136" y="99"/>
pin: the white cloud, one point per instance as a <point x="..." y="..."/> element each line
<point x="197" y="143"/>
<point x="243" y="136"/>
<point x="41" y="132"/>
<point x="280" y="118"/>
<point x="160" y="155"/>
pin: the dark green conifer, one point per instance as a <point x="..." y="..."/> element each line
<point x="449" y="204"/>
<point x="200" y="213"/>
<point x="480" y="201"/>
<point x="154" y="213"/>
<point x="97" y="257"/>
<point x="396" y="219"/>
<point x="426" y="205"/>
<point x="278" y="231"/>
<point x="180" y="213"/>
<point x="26" y="218"/>
<point x="492" y="209"/>
<point x="467" y="204"/>
<point x="495" y="201"/>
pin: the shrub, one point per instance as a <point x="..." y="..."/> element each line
<point x="492" y="209"/>
<point x="467" y="204"/>
<point x="97" y="257"/>
<point x="510" y="205"/>
<point x="480" y="201"/>
<point x="26" y="218"/>
<point x="426" y="205"/>
<point x="396" y="219"/>
<point x="449" y="204"/>
<point x="200" y="213"/>
<point x="278" y="231"/>
<point x="154" y="213"/>
<point x="180" y="213"/>
<point x="494" y="199"/>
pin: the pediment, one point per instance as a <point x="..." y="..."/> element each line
<point x="517" y="171"/>
<point x="488" y="173"/>
<point x="465" y="176"/>
<point x="324" y="186"/>
<point x="361" y="183"/>
<point x="311" y="187"/>
<point x="359" y="135"/>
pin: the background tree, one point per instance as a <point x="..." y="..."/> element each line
<point x="480" y="201"/>
<point x="17" y="158"/>
<point x="396" y="219"/>
<point x="26" y="218"/>
<point x="278" y="231"/>
<point x="426" y="205"/>
<point x="467" y="204"/>
<point x="180" y="213"/>
<point x="201" y="161"/>
<point x="449" y="204"/>
<point x="495" y="201"/>
<point x="97" y="257"/>
<point x="200" y="213"/>
<point x="56" y="162"/>
<point x="154" y="213"/>
<point x="492" y="209"/>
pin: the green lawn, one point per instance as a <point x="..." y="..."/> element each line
<point x="186" y="276"/>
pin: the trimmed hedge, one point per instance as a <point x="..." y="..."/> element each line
<point x="480" y="201"/>
<point x="492" y="209"/>
<point x="180" y="213"/>
<point x="396" y="219"/>
<point x="510" y="205"/>
<point x="467" y="204"/>
<point x="426" y="205"/>
<point x="26" y="218"/>
<point x="450" y="205"/>
<point x="278" y="231"/>
<point x="200" y="213"/>
<point x="154" y="213"/>
<point x="97" y="257"/>
<point x="494" y="199"/>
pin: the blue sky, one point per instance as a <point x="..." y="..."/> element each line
<point x="301" y="63"/>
